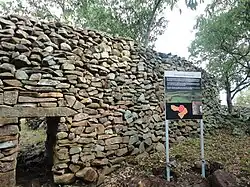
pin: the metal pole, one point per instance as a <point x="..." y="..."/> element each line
<point x="167" y="136"/>
<point x="203" y="162"/>
<point x="167" y="152"/>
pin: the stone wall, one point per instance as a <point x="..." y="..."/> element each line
<point x="112" y="86"/>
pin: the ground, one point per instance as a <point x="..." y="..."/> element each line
<point x="233" y="152"/>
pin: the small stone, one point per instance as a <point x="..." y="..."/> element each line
<point x="8" y="46"/>
<point x="104" y="54"/>
<point x="67" y="178"/>
<point x="148" y="141"/>
<point x="70" y="100"/>
<point x="68" y="66"/>
<point x="75" y="158"/>
<point x="63" y="85"/>
<point x="22" y="48"/>
<point x="6" y="22"/>
<point x="114" y="140"/>
<point x="62" y="154"/>
<point x="49" y="49"/>
<point x="74" y="168"/>
<point x="75" y="150"/>
<point x="21" y="75"/>
<point x="27" y="99"/>
<point x="121" y="152"/>
<point x="65" y="47"/>
<point x="80" y="117"/>
<point x="111" y="76"/>
<point x="99" y="148"/>
<point x="10" y="97"/>
<point x="142" y="147"/>
<point x="22" y="34"/>
<point x="61" y="166"/>
<point x="142" y="156"/>
<point x="51" y="94"/>
<point x="61" y="135"/>
<point x="9" y="144"/>
<point x="133" y="139"/>
<point x="87" y="174"/>
<point x="180" y="138"/>
<point x="8" y="67"/>
<point x="71" y="136"/>
<point x="48" y="60"/>
<point x="160" y="147"/>
<point x="78" y="105"/>
<point x="21" y="61"/>
<point x="86" y="101"/>
<point x="35" y="77"/>
<point x="48" y="82"/>
<point x="100" y="162"/>
<point x="13" y="82"/>
<point x="141" y="98"/>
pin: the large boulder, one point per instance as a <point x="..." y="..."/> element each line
<point x="67" y="178"/>
<point x="88" y="174"/>
<point x="222" y="178"/>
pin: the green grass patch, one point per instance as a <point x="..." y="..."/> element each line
<point x="30" y="137"/>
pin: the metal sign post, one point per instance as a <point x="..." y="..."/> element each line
<point x="183" y="100"/>
<point x="203" y="162"/>
<point x="167" y="141"/>
<point x="167" y="151"/>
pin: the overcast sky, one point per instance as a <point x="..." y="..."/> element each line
<point x="178" y="35"/>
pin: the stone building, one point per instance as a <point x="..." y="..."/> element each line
<point x="102" y="96"/>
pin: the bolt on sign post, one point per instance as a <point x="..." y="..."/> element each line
<point x="183" y="100"/>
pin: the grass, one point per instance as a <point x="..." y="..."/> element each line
<point x="233" y="152"/>
<point x="30" y="137"/>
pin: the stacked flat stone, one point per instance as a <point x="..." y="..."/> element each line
<point x="114" y="86"/>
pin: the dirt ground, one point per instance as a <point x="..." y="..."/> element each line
<point x="232" y="152"/>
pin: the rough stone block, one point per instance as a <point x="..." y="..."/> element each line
<point x="8" y="130"/>
<point x="9" y="144"/>
<point x="4" y="120"/>
<point x="1" y="98"/>
<point x="8" y="179"/>
<point x="114" y="140"/>
<point x="35" y="112"/>
<point x="24" y="99"/>
<point x="7" y="166"/>
<point x="88" y="174"/>
<point x="66" y="178"/>
<point x="10" y="97"/>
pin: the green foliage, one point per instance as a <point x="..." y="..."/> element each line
<point x="138" y="19"/>
<point x="223" y="40"/>
<point x="243" y="99"/>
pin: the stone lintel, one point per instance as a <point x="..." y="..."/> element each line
<point x="9" y="112"/>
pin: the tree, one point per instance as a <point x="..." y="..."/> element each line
<point x="243" y="99"/>
<point x="137" y="19"/>
<point x="42" y="9"/>
<point x="223" y="40"/>
<point x="140" y="20"/>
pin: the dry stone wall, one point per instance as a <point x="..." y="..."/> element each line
<point x="113" y="87"/>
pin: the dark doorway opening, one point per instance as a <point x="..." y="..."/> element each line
<point x="35" y="158"/>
